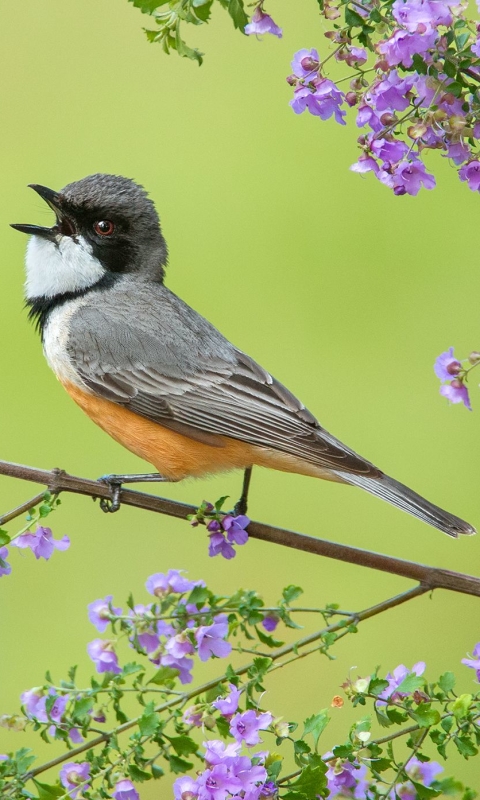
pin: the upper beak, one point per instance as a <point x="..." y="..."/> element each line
<point x="62" y="226"/>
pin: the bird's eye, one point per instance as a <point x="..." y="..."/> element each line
<point x="104" y="227"/>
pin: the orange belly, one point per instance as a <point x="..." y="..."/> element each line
<point x="176" y="456"/>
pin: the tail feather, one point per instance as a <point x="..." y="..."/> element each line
<point x="401" y="496"/>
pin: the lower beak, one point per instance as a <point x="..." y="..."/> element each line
<point x="62" y="226"/>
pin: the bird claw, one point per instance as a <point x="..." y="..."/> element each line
<point x="240" y="507"/>
<point x="110" y="505"/>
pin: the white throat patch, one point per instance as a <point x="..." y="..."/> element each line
<point x="58" y="267"/>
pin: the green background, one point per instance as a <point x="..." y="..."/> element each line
<point x="344" y="292"/>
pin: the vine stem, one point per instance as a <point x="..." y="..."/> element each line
<point x="367" y="613"/>
<point x="432" y="577"/>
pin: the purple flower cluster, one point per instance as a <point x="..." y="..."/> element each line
<point x="422" y="772"/>
<point x="166" y="644"/>
<point x="396" y="677"/>
<point x="423" y="95"/>
<point x="41" y="543"/>
<point x="346" y="778"/>
<point x="49" y="707"/>
<point x="227" y="775"/>
<point x="451" y="373"/>
<point x="224" y="533"/>
<point x="474" y="660"/>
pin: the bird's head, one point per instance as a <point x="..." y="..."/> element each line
<point x="105" y="225"/>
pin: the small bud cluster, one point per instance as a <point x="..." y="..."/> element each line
<point x="224" y="530"/>
<point x="454" y="376"/>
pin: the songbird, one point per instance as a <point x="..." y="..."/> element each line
<point x="157" y="376"/>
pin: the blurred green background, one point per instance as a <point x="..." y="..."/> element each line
<point x="344" y="292"/>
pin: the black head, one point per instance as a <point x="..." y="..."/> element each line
<point x="113" y="217"/>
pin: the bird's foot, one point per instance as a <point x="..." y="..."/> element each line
<point x="114" y="482"/>
<point x="111" y="504"/>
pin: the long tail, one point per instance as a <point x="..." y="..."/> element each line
<point x="401" y="496"/>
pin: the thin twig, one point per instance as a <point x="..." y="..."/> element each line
<point x="432" y="577"/>
<point x="21" y="509"/>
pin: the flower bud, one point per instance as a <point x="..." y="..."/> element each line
<point x="456" y="383"/>
<point x="381" y="28"/>
<point x="457" y="123"/>
<point x="361" y="685"/>
<point x="291" y="80"/>
<point x="474" y="357"/>
<point x="13" y="722"/>
<point x="388" y="118"/>
<point x="337" y="701"/>
<point x="421" y="27"/>
<point x="363" y="736"/>
<point x="351" y="99"/>
<point x="188" y="796"/>
<point x="382" y="65"/>
<point x="356" y="84"/>
<point x="454" y="368"/>
<point x="331" y="12"/>
<point x="330" y="35"/>
<point x="439" y="115"/>
<point x="309" y="63"/>
<point x="421" y="697"/>
<point x="417" y="131"/>
<point x="280" y="728"/>
<point x="209" y="722"/>
<point x="448" y="98"/>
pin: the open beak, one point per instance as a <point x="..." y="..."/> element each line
<point x="63" y="225"/>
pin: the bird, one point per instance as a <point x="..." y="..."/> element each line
<point x="156" y="375"/>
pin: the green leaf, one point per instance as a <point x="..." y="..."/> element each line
<point x="316" y="724"/>
<point x="291" y="592"/>
<point x="148" y="6"/>
<point x="455" y="88"/>
<point x="47" y="791"/>
<point x="4" y="538"/>
<point x="237" y="13"/>
<point x="410" y="683"/>
<point x="149" y="720"/>
<point x="157" y="772"/>
<point x="447" y="681"/>
<point x="198" y="595"/>
<point x="179" y="765"/>
<point x="343" y="750"/>
<point x="164" y="675"/>
<point x="301" y="747"/>
<point x="461" y="706"/>
<point x="465" y="746"/>
<point x="425" y="792"/>
<point x="82" y="707"/>
<point x="352" y="19"/>
<point x="425" y="715"/>
<point x="223" y="727"/>
<point x="396" y="716"/>
<point x="419" y="64"/>
<point x="311" y="781"/>
<point x="268" y="640"/>
<point x="183" y="745"/>
<point x="450" y="69"/>
<point x="132" y="667"/>
<point x="376" y="686"/>
<point x="138" y="774"/>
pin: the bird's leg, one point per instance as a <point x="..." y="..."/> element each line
<point x="240" y="506"/>
<point x="114" y="482"/>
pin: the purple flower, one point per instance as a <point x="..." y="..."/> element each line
<point x="305" y="63"/>
<point x="396" y="677"/>
<point x="353" y="56"/>
<point x="343" y="776"/>
<point x="425" y="13"/>
<point x="215" y="783"/>
<point x="160" y="584"/>
<point x="211" y="641"/>
<point x="474" y="663"/>
<point x="423" y="771"/>
<point x="185" y="787"/>
<point x="456" y="392"/>
<point x="471" y="173"/>
<point x="389" y="93"/>
<point x="104" y="656"/>
<point x="459" y="152"/>
<point x="180" y="645"/>
<point x="245" y="727"/>
<point x="125" y="790"/>
<point x="5" y="567"/>
<point x="250" y="776"/>
<point x="389" y="150"/>
<point x="218" y="545"/>
<point x="218" y="752"/>
<point x="365" y="164"/>
<point x="446" y="365"/>
<point x="270" y="622"/>
<point x="99" y="613"/>
<point x="73" y="775"/>
<point x="35" y="703"/>
<point x="321" y="98"/>
<point x="409" y="177"/>
<point x="228" y="705"/>
<point x="235" y="528"/>
<point x="41" y="543"/>
<point x="402" y="46"/>
<point x="193" y="715"/>
<point x="184" y="665"/>
<point x="366" y="115"/>
<point x="268" y="789"/>
<point x="262" y="23"/>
